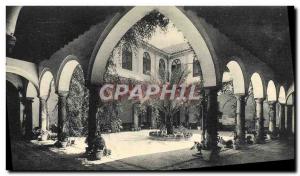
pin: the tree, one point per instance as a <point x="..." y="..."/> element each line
<point x="167" y="105"/>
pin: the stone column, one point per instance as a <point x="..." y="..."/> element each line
<point x="62" y="112"/>
<point x="212" y="110"/>
<point x="135" y="116"/>
<point x="240" y="119"/>
<point x="281" y="115"/>
<point x="289" y="117"/>
<point x="153" y="119"/>
<point x="272" y="118"/>
<point x="293" y="119"/>
<point x="43" y="113"/>
<point x="28" y="116"/>
<point x="22" y="118"/>
<point x="259" y="125"/>
<point x="94" y="101"/>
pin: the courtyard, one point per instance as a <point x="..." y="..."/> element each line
<point x="136" y="151"/>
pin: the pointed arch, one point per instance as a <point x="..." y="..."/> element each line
<point x="45" y="82"/>
<point x="282" y="95"/>
<point x="65" y="74"/>
<point x="180" y="20"/>
<point x="271" y="91"/>
<point x="237" y="76"/>
<point x="257" y="84"/>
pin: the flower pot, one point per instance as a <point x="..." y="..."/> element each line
<point x="98" y="155"/>
<point x="64" y="144"/>
<point x="235" y="147"/>
<point x="206" y="154"/>
<point x="198" y="128"/>
<point x="44" y="137"/>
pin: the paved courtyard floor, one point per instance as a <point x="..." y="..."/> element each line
<point x="136" y="151"/>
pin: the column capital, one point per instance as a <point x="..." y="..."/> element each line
<point x="63" y="93"/>
<point x="44" y="97"/>
<point x="259" y="100"/>
<point x="271" y="102"/>
<point x="212" y="89"/>
<point x="28" y="99"/>
<point x="239" y="96"/>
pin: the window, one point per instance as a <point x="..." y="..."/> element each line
<point x="162" y="69"/>
<point x="126" y="57"/>
<point x="176" y="65"/>
<point x="146" y="64"/>
<point x="196" y="68"/>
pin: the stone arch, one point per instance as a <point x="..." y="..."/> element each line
<point x="65" y="74"/>
<point x="15" y="80"/>
<point x="12" y="18"/>
<point x="271" y="91"/>
<point x="258" y="86"/>
<point x="282" y="95"/>
<point x="237" y="76"/>
<point x="45" y="82"/>
<point x="120" y="25"/>
<point x="290" y="92"/>
<point x="24" y="69"/>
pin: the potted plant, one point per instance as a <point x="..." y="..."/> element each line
<point x="44" y="135"/>
<point x="63" y="138"/>
<point x="97" y="148"/>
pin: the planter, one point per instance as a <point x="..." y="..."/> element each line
<point x="98" y="155"/>
<point x="44" y="137"/>
<point x="206" y="154"/>
<point x="64" y="144"/>
<point x="235" y="147"/>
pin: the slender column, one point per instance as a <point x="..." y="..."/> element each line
<point x="281" y="120"/>
<point x="293" y="119"/>
<point x="272" y="119"/>
<point x="153" y="119"/>
<point x="21" y="121"/>
<point x="240" y="118"/>
<point x="62" y="112"/>
<point x="259" y="126"/>
<point x="94" y="101"/>
<point x="289" y="120"/>
<point x="43" y="113"/>
<point x="135" y="116"/>
<point x="28" y="116"/>
<point x="211" y="133"/>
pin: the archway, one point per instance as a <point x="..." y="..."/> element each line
<point x="24" y="69"/>
<point x="32" y="93"/>
<point x="64" y="77"/>
<point x="271" y="91"/>
<point x="72" y="100"/>
<point x="48" y="100"/>
<point x="22" y="104"/>
<point x="282" y="95"/>
<point x="258" y="95"/>
<point x="231" y="100"/>
<point x="237" y="76"/>
<point x="290" y="108"/>
<point x="257" y="84"/>
<point x="121" y="26"/>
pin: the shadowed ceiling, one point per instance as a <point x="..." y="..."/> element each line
<point x="264" y="31"/>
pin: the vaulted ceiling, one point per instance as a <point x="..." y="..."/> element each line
<point x="264" y="31"/>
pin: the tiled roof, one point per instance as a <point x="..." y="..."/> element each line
<point x="177" y="48"/>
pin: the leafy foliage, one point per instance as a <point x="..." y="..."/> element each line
<point x="77" y="105"/>
<point x="145" y="28"/>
